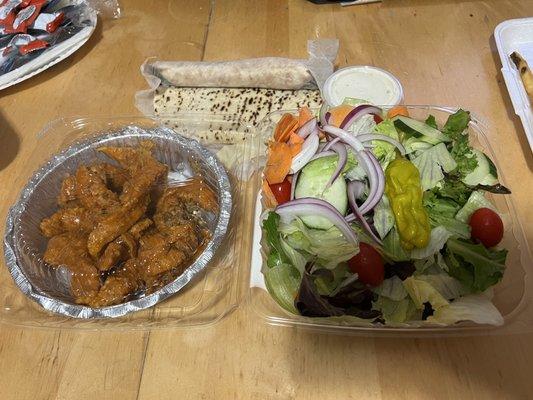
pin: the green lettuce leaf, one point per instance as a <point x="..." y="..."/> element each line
<point x="456" y="124"/>
<point x="442" y="212"/>
<point x="393" y="311"/>
<point x="433" y="264"/>
<point x="282" y="282"/>
<point x="461" y="151"/>
<point x="391" y="288"/>
<point x="431" y="121"/>
<point x="422" y="292"/>
<point x="392" y="247"/>
<point x="449" y="287"/>
<point x="437" y="240"/>
<point x="363" y="125"/>
<point x="329" y="246"/>
<point x="431" y="162"/>
<point x="454" y="189"/>
<point x="476" y="201"/>
<point x="385" y="152"/>
<point x="276" y="255"/>
<point x="464" y="156"/>
<point x="383" y="217"/>
<point x="475" y="266"/>
<point x="297" y="259"/>
<point x="414" y="146"/>
<point x="475" y="307"/>
<point x="328" y="284"/>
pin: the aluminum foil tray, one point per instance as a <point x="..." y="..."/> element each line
<point x="24" y="244"/>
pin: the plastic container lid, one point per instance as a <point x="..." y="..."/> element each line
<point x="364" y="82"/>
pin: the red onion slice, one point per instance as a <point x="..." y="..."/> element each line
<point x="309" y="148"/>
<point x="294" y="181"/>
<point x="322" y="113"/>
<point x="370" y="137"/>
<point x="340" y="149"/>
<point x="331" y="143"/>
<point x="316" y="207"/>
<point x="358" y="214"/>
<point x="346" y="137"/>
<point x="309" y="127"/>
<point x="357" y="113"/>
<point x="322" y="154"/>
<point x="377" y="184"/>
<point x="358" y="188"/>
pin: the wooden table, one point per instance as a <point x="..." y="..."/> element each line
<point x="443" y="52"/>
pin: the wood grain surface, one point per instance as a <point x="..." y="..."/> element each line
<point x="444" y="53"/>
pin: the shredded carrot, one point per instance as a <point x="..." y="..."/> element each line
<point x="278" y="163"/>
<point x="398" y="110"/>
<point x="339" y="113"/>
<point x="295" y="144"/>
<point x="304" y="115"/>
<point x="294" y="139"/>
<point x="268" y="196"/>
<point x="295" y="149"/>
<point x="285" y="126"/>
<point x="288" y="132"/>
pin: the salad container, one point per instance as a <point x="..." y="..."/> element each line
<point x="512" y="295"/>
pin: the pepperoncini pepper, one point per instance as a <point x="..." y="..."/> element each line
<point x="404" y="190"/>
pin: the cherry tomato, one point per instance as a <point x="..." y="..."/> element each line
<point x="368" y="264"/>
<point x="377" y="119"/>
<point x="282" y="191"/>
<point x="487" y="227"/>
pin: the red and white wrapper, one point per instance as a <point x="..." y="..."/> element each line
<point x="8" y="12"/>
<point x="48" y="22"/>
<point x="24" y="44"/>
<point x="26" y="16"/>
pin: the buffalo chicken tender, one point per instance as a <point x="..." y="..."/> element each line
<point x="119" y="236"/>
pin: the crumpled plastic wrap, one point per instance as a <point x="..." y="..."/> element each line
<point x="213" y="85"/>
<point x="106" y="8"/>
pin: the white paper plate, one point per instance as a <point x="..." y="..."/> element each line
<point x="50" y="57"/>
<point x="517" y="35"/>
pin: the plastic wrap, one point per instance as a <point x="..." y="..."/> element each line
<point x="214" y="86"/>
<point x="106" y="8"/>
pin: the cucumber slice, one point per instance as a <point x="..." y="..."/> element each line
<point x="420" y="130"/>
<point x="485" y="172"/>
<point x="312" y="182"/>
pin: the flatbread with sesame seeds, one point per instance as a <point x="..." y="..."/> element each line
<point x="241" y="106"/>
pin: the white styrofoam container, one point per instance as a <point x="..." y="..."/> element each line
<point x="517" y="35"/>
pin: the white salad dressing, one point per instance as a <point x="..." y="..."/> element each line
<point x="372" y="84"/>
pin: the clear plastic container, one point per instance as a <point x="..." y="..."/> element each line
<point x="212" y="294"/>
<point x="512" y="296"/>
<point x="233" y="277"/>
